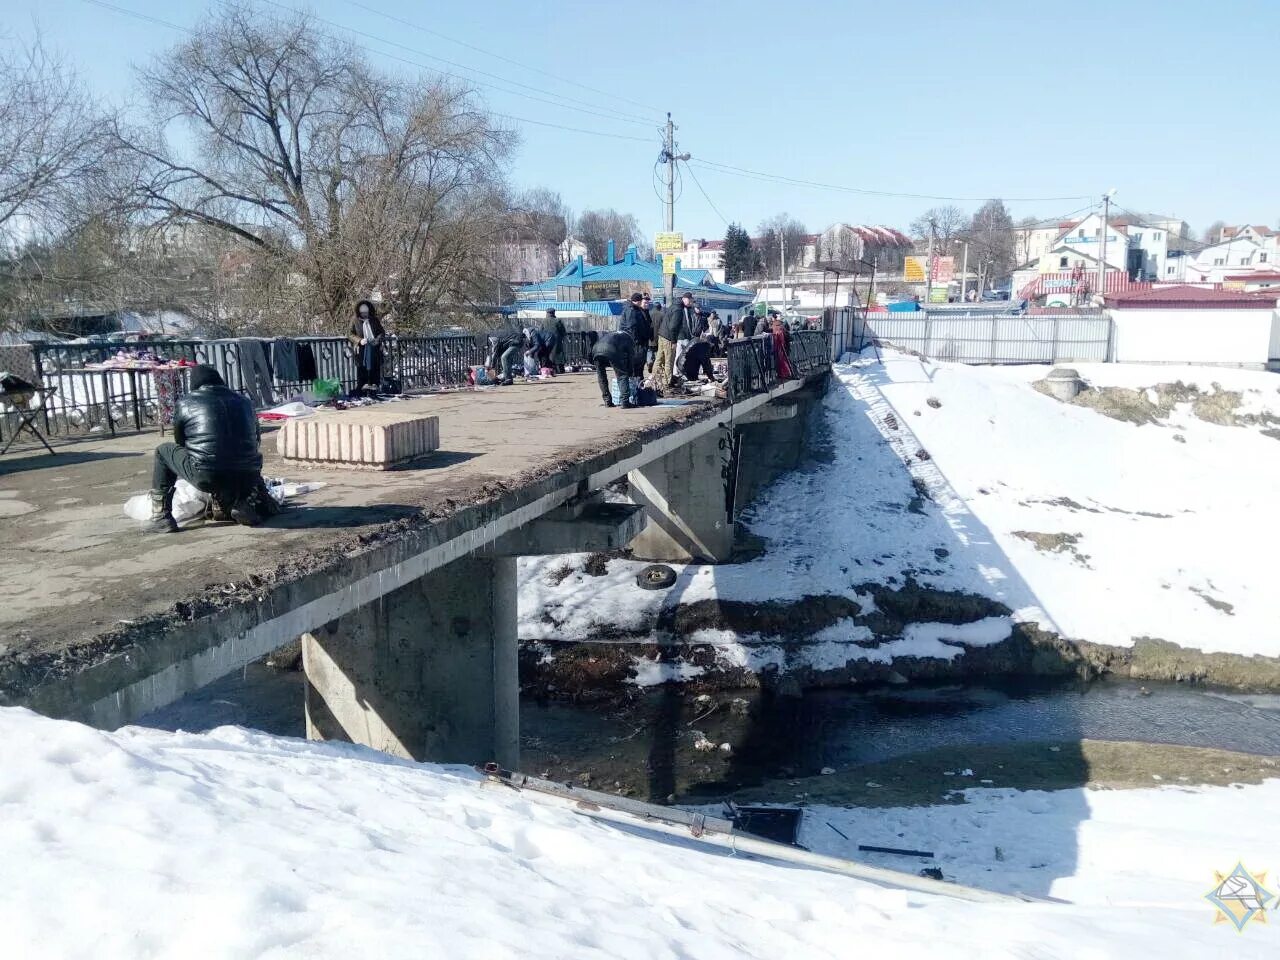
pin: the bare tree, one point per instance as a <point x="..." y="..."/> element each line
<point x="991" y="236"/>
<point x="346" y="179"/>
<point x="1213" y="232"/>
<point x="946" y="221"/>
<point x="53" y="140"/>
<point x="773" y="235"/>
<point x="597" y="227"/>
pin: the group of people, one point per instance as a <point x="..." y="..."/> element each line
<point x="677" y="343"/>
<point x="534" y="348"/>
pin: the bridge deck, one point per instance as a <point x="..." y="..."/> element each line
<point x="82" y="583"/>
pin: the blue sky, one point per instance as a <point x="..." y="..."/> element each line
<point x="1169" y="102"/>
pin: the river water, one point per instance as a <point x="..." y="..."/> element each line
<point x="664" y="741"/>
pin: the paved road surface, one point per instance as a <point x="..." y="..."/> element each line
<point x="73" y="566"/>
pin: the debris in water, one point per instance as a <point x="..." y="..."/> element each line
<point x="827" y="771"/>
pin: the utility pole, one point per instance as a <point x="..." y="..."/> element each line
<point x="1102" y="250"/>
<point x="964" y="271"/>
<point x="928" y="264"/>
<point x="669" y="158"/>
<point x="782" y="266"/>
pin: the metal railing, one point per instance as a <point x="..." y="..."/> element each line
<point x="97" y="401"/>
<point x="753" y="361"/>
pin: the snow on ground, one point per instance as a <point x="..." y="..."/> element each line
<point x="1100" y="529"/>
<point x="1101" y="847"/>
<point x="142" y="844"/>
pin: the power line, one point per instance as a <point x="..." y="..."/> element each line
<point x="139" y="16"/>
<point x="498" y="56"/>
<point x="560" y="126"/>
<point x="504" y="116"/>
<point x="583" y="108"/>
<point x="702" y="190"/>
<point x="779" y="178"/>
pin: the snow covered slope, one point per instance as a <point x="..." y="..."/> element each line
<point x="142" y="844"/>
<point x="966" y="478"/>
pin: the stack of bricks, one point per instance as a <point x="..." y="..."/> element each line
<point x="367" y="439"/>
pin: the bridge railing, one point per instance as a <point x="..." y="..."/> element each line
<point x="88" y="402"/>
<point x="753" y="365"/>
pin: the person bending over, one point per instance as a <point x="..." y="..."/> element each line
<point x="615" y="350"/>
<point x="215" y="449"/>
<point x="697" y="360"/>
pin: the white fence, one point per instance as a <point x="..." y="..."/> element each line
<point x="1235" y="338"/>
<point x="991" y="338"/>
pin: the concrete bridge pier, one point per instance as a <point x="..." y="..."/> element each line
<point x="430" y="671"/>
<point x="688" y="497"/>
<point x="427" y="672"/>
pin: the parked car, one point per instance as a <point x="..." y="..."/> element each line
<point x="989" y="296"/>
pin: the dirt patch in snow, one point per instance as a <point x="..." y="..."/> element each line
<point x="785" y="620"/>
<point x="1220" y="605"/>
<point x="1154" y="404"/>
<point x="1055" y="543"/>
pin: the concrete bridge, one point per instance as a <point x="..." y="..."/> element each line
<point x="402" y="584"/>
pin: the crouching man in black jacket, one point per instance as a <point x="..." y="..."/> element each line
<point x="216" y="451"/>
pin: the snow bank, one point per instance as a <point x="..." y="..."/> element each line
<point x="142" y="844"/>
<point x="1099" y="529"/>
<point x="1158" y="846"/>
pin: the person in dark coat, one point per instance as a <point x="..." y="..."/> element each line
<point x="677" y="326"/>
<point x="553" y="333"/>
<point x="635" y="319"/>
<point x="215" y="449"/>
<point x="504" y="353"/>
<point x="615" y="350"/>
<point x="697" y="360"/>
<point x="650" y="349"/>
<point x="366" y="336"/>
<point x="749" y="323"/>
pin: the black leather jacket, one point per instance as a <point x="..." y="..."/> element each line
<point x="219" y="429"/>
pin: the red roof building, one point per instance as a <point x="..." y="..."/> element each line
<point x="1187" y="297"/>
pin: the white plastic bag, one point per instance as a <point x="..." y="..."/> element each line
<point x="188" y="502"/>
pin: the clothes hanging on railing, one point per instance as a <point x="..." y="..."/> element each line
<point x="284" y="359"/>
<point x="255" y="374"/>
<point x="306" y="362"/>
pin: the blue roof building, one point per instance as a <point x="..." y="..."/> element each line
<point x="596" y="292"/>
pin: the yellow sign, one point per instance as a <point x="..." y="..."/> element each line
<point x="669" y="243"/>
<point x="913" y="270"/>
<point x="668" y="263"/>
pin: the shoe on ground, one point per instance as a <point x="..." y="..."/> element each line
<point x="626" y="405"/>
<point x="507" y="382"/>
<point x="608" y="403"/>
<point x="162" y="513"/>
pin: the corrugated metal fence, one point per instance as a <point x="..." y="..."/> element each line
<point x="990" y="338"/>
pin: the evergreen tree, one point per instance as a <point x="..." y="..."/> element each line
<point x="738" y="255"/>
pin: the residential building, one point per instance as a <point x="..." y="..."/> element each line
<point x="1258" y="233"/>
<point x="1136" y="249"/>
<point x="525" y="259"/>
<point x="703" y="255"/>
<point x="1033" y="241"/>
<point x="862" y="245"/>
<point x="1235" y="256"/>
